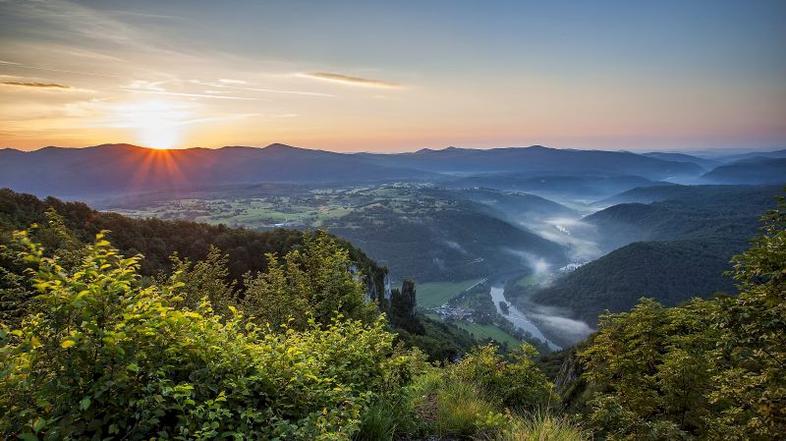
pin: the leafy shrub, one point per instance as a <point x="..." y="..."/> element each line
<point x="313" y="283"/>
<point x="516" y="383"/>
<point x="480" y="395"/>
<point x="100" y="354"/>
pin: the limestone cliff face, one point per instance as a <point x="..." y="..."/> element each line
<point x="569" y="383"/>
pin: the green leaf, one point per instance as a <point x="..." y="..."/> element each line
<point x="85" y="403"/>
<point x="39" y="424"/>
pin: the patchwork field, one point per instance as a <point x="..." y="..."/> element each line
<point x="433" y="294"/>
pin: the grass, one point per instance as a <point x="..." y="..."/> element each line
<point x="433" y="294"/>
<point x="445" y="406"/>
<point x="542" y="426"/>
<point x="461" y="411"/>
<point x="488" y="331"/>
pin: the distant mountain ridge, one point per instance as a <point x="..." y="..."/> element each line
<point x="536" y="160"/>
<point x="127" y="168"/>
<point x="750" y="170"/>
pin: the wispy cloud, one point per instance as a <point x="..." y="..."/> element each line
<point x="35" y="84"/>
<point x="46" y="69"/>
<point x="351" y="80"/>
<point x="237" y="85"/>
<point x="191" y="95"/>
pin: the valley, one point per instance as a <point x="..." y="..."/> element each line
<point x="508" y="244"/>
<point x="451" y="242"/>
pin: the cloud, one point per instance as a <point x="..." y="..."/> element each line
<point x="222" y="84"/>
<point x="191" y="95"/>
<point x="46" y="69"/>
<point x="36" y="84"/>
<point x="351" y="80"/>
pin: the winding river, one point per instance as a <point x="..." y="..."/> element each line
<point x="518" y="318"/>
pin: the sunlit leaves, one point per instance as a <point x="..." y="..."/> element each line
<point x="105" y="354"/>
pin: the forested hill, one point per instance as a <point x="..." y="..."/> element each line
<point x="158" y="239"/>
<point x="729" y="196"/>
<point x="754" y="170"/>
<point x="671" y="250"/>
<point x="536" y="160"/>
<point x="670" y="271"/>
<point x="729" y="213"/>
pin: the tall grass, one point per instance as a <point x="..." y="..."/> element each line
<point x="379" y="423"/>
<point x="542" y="426"/>
<point x="462" y="412"/>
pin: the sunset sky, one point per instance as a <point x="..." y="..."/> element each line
<point x="394" y="75"/>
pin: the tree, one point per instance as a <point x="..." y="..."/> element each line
<point x="752" y="351"/>
<point x="708" y="369"/>
<point x="103" y="354"/>
<point x="315" y="282"/>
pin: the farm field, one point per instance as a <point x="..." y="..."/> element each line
<point x="433" y="294"/>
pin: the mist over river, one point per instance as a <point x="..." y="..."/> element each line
<point x="550" y="325"/>
<point x="518" y="318"/>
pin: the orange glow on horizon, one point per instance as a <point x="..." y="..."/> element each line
<point x="156" y="124"/>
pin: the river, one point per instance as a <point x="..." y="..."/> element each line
<point x="518" y="318"/>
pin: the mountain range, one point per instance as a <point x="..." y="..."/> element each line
<point x="124" y="168"/>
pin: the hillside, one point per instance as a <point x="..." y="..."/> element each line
<point x="433" y="240"/>
<point x="512" y="206"/>
<point x="671" y="272"/>
<point x="669" y="250"/>
<point x="563" y="187"/>
<point x="536" y="160"/>
<point x="690" y="194"/>
<point x="704" y="163"/>
<point x="683" y="212"/>
<point x="752" y="170"/>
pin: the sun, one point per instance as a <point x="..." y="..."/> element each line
<point x="157" y="124"/>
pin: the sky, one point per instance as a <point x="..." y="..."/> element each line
<point x="394" y="75"/>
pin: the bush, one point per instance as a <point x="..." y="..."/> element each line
<point x="100" y="355"/>
<point x="708" y="369"/>
<point x="480" y="396"/>
<point x="516" y="383"/>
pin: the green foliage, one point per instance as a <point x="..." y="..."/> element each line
<point x="480" y="396"/>
<point x="709" y="369"/>
<point x="204" y="279"/>
<point x="441" y="341"/>
<point x="315" y="282"/>
<point x="752" y="352"/>
<point x="648" y="371"/>
<point x="515" y="383"/>
<point x="101" y="354"/>
<point x="211" y="260"/>
<point x="542" y="426"/>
